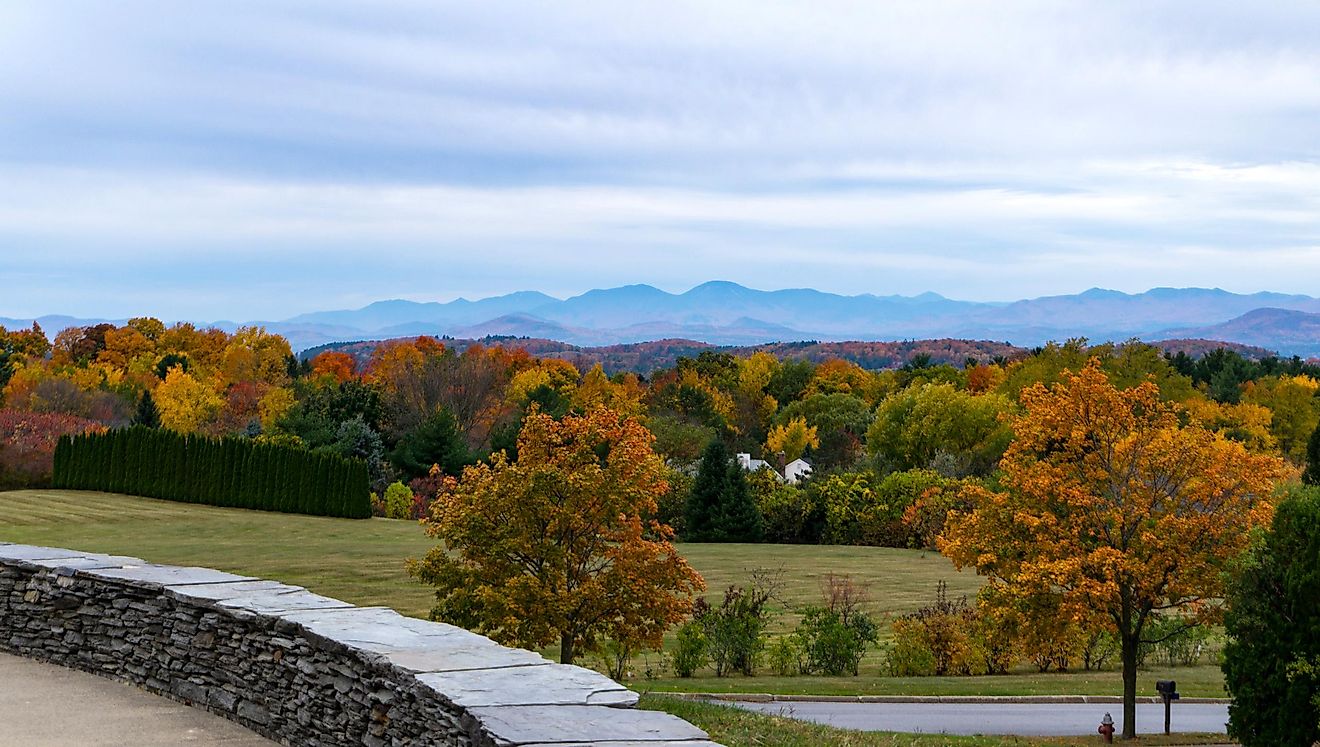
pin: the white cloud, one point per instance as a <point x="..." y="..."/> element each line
<point x="983" y="150"/>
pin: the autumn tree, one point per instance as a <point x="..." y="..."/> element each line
<point x="792" y="439"/>
<point x="339" y="366"/>
<point x="185" y="404"/>
<point x="939" y="426"/>
<point x="553" y="547"/>
<point x="1110" y="504"/>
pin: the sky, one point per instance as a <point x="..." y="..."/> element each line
<point x="254" y="160"/>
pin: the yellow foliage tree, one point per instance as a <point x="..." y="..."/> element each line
<point x="554" y="547"/>
<point x="186" y="405"/>
<point x="793" y="438"/>
<point x="1111" y="505"/>
<point x="1294" y="410"/>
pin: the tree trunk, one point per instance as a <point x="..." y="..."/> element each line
<point x="1130" y="642"/>
<point x="566" y="652"/>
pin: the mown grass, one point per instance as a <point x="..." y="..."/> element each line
<point x="739" y="728"/>
<point x="362" y="561"/>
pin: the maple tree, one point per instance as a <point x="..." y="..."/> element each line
<point x="1111" y="505"/>
<point x="555" y="546"/>
<point x="792" y="439"/>
<point x="185" y="404"/>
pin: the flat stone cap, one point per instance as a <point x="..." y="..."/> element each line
<point x="588" y="725"/>
<point x="547" y="684"/>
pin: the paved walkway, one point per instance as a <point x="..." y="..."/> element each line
<point x="44" y="705"/>
<point x="1023" y="719"/>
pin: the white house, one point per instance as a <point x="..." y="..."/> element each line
<point x="793" y="472"/>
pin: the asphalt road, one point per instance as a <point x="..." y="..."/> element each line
<point x="1022" y="719"/>
<point x="43" y="705"/>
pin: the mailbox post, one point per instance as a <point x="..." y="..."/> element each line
<point x="1168" y="690"/>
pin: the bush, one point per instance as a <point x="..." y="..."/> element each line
<point x="835" y="645"/>
<point x="735" y="631"/>
<point x="789" y="514"/>
<point x="28" y="442"/>
<point x="398" y="501"/>
<point x="690" y="648"/>
<point x="935" y="639"/>
<point x="786" y="655"/>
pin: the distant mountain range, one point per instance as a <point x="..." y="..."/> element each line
<point x="724" y="313"/>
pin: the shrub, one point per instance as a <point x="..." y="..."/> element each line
<point x="835" y="645"/>
<point x="786" y="655"/>
<point x="398" y="501"/>
<point x="789" y="514"/>
<point x="862" y="508"/>
<point x="735" y="631"/>
<point x="28" y="442"/>
<point x="690" y="648"/>
<point x="936" y="638"/>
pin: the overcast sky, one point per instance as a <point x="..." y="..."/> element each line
<point x="254" y="160"/>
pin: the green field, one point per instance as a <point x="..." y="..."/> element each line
<point x="362" y="561"/>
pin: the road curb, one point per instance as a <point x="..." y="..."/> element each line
<point x="1035" y="699"/>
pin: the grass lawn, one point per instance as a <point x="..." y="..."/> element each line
<point x="361" y="561"/>
<point x="733" y="726"/>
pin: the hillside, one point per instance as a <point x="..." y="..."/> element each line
<point x="1289" y="331"/>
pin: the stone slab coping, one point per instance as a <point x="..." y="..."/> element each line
<point x="1036" y="699"/>
<point x="517" y="697"/>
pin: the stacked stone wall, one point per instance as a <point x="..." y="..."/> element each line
<point x="304" y="669"/>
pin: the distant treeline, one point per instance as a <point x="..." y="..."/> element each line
<point x="235" y="472"/>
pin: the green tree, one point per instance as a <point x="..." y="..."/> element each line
<point x="720" y="507"/>
<point x="438" y="440"/>
<point x="1312" y="474"/>
<point x="146" y="414"/>
<point x="939" y="426"/>
<point x="1272" y="660"/>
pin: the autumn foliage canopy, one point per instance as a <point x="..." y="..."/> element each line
<point x="1112" y="505"/>
<point x="555" y="547"/>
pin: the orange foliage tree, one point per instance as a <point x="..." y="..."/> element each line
<point x="339" y="366"/>
<point x="1111" y="505"/>
<point x="556" y="546"/>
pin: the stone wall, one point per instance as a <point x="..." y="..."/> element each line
<point x="305" y="669"/>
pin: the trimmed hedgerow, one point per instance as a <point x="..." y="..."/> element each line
<point x="234" y="472"/>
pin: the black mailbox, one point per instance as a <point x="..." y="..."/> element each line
<point x="1168" y="690"/>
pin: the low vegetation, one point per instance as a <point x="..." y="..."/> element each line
<point x="734" y="726"/>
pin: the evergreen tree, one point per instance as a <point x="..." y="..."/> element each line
<point x="147" y="414"/>
<point x="703" y="504"/>
<point x="437" y="440"/>
<point x="739" y="516"/>
<point x="720" y="507"/>
<point x="1312" y="474"/>
<point x="1272" y="660"/>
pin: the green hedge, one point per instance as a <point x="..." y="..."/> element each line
<point x="235" y="472"/>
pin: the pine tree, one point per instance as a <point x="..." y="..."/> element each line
<point x="720" y="507"/>
<point x="147" y="415"/>
<point x="704" y="523"/>
<point x="740" y="518"/>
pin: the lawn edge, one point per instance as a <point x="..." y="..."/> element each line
<point x="1038" y="699"/>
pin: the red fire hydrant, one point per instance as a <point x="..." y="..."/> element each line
<point x="1107" y="728"/>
